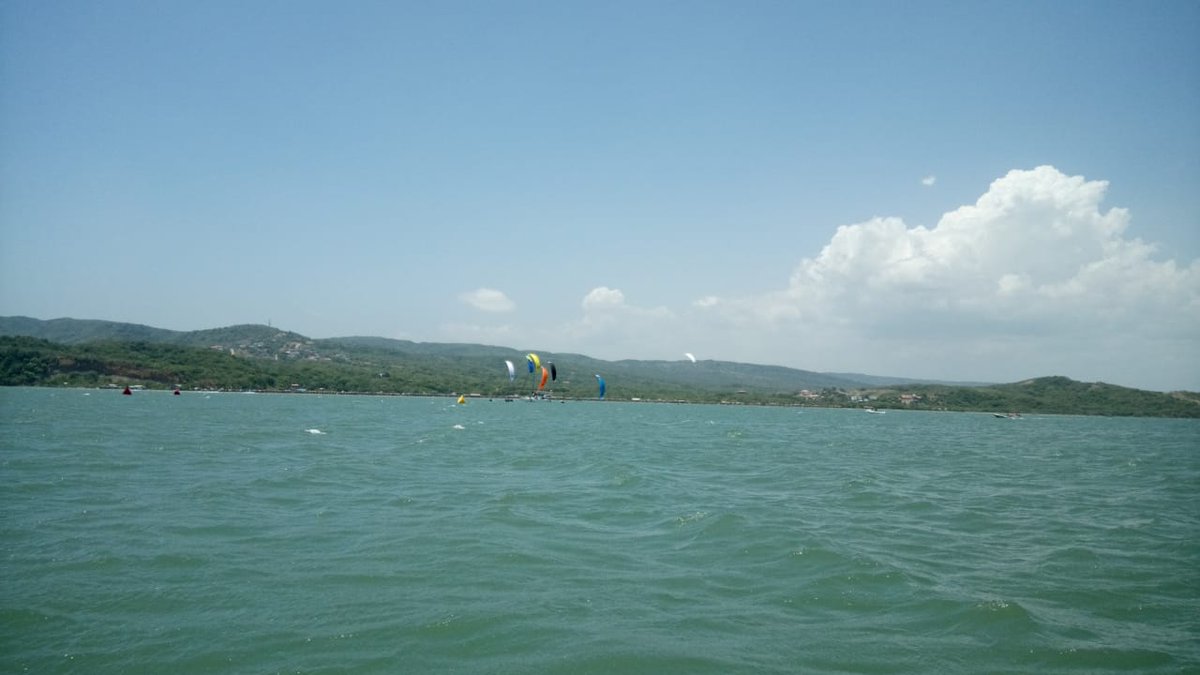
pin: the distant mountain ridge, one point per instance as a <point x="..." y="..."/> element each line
<point x="884" y="381"/>
<point x="100" y="353"/>
<point x="267" y="342"/>
<point x="80" y="353"/>
<point x="76" y="331"/>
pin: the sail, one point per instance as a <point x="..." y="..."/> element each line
<point x="462" y="399"/>
<point x="512" y="371"/>
<point x="600" y="382"/>
<point x="545" y="376"/>
<point x="553" y="372"/>
<point x="533" y="361"/>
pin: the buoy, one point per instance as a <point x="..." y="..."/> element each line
<point x="127" y="391"/>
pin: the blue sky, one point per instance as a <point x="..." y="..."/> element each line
<point x="968" y="191"/>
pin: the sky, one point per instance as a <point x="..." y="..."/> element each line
<point x="964" y="191"/>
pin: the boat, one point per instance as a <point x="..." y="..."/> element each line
<point x="1009" y="416"/>
<point x="875" y="411"/>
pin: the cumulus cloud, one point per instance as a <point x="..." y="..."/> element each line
<point x="1037" y="245"/>
<point x="603" y="305"/>
<point x="488" y="300"/>
<point x="611" y="327"/>
<point x="1035" y="270"/>
<point x="929" y="180"/>
<point x="602" y="297"/>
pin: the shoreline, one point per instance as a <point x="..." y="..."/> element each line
<point x="117" y="388"/>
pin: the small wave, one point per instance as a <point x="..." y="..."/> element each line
<point x="441" y="622"/>
<point x="315" y="432"/>
<point x="691" y="517"/>
<point x="998" y="617"/>
<point x="459" y="426"/>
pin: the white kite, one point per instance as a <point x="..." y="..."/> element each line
<point x="690" y="357"/>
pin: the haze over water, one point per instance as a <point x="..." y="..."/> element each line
<point x="301" y="533"/>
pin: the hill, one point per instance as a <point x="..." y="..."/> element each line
<point x="96" y="353"/>
<point x="473" y="366"/>
<point x="76" y="331"/>
<point x="1054" y="394"/>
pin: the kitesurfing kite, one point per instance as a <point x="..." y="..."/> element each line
<point x="690" y="357"/>
<point x="512" y="371"/>
<point x="534" y="364"/>
<point x="600" y="382"/>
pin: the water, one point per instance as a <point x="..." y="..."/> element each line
<point x="241" y="533"/>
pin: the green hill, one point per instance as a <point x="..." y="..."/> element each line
<point x="76" y="331"/>
<point x="1055" y="394"/>
<point x="97" y="353"/>
<point x="458" y="367"/>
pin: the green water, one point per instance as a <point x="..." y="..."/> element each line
<point x="219" y="533"/>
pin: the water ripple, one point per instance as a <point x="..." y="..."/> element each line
<point x="220" y="534"/>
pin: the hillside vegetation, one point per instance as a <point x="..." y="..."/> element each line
<point x="66" y="352"/>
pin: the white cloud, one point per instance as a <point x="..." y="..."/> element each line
<point x="488" y="300"/>
<point x="929" y="180"/>
<point x="1034" y="278"/>
<point x="603" y="296"/>
<point x="609" y="303"/>
<point x="611" y="327"/>
<point x="1035" y="246"/>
